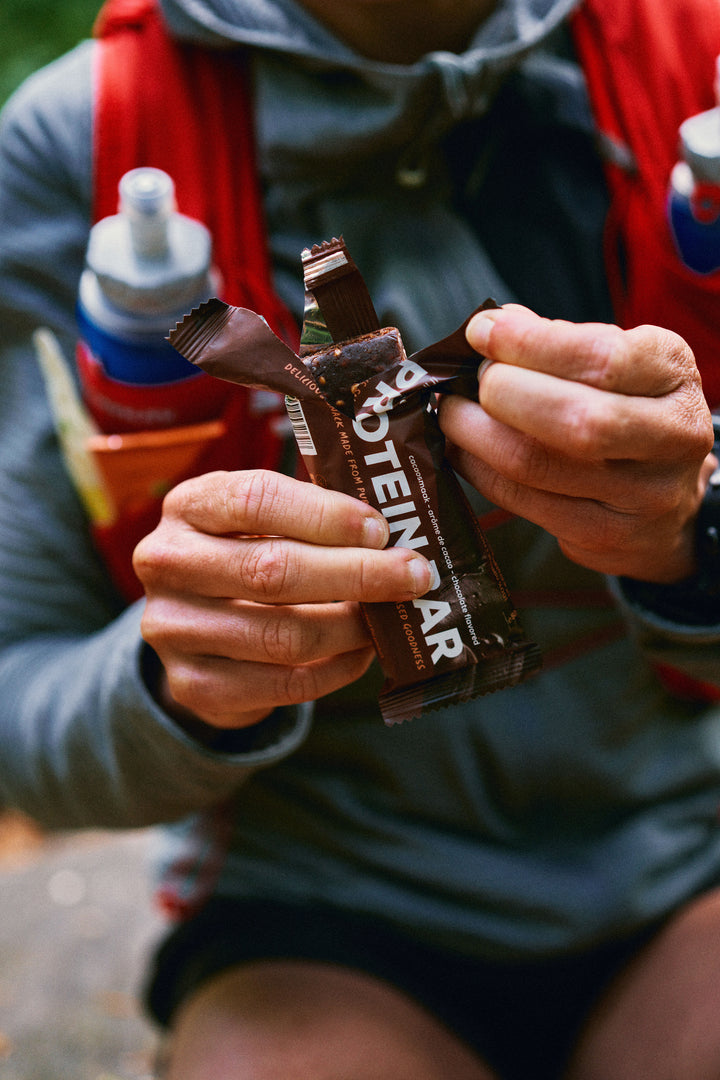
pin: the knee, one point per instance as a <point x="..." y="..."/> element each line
<point x="303" y="1021"/>
<point x="660" y="1016"/>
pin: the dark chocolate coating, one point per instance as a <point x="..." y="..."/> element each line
<point x="340" y="367"/>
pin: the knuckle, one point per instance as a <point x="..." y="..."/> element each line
<point x="176" y="498"/>
<point x="153" y="557"/>
<point x="167" y="628"/>
<point x="500" y="489"/>
<point x="680" y="356"/>
<point x="675" y="357"/>
<point x="263" y="570"/>
<point x="302" y="683"/>
<point x="363" y="576"/>
<point x="250" y="495"/>
<point x="696" y="429"/>
<point x="529" y="462"/>
<point x="143" y="559"/>
<point x="600" y="531"/>
<point x="521" y="334"/>
<point x="608" y="357"/>
<point x="192" y="688"/>
<point x="196" y="494"/>
<point x="152" y="624"/>
<point x="617" y="532"/>
<point x="593" y="429"/>
<point x="285" y="640"/>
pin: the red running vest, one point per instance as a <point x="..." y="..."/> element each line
<point x="650" y="64"/>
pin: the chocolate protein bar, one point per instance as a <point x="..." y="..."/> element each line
<point x="339" y="370"/>
<point x="365" y="423"/>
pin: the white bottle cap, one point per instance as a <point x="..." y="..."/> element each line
<point x="147" y="200"/>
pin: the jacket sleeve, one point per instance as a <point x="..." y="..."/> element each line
<point x="82" y="743"/>
<point x="684" y="651"/>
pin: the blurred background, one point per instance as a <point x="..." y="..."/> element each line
<point x="33" y="32"/>
<point x="77" y="918"/>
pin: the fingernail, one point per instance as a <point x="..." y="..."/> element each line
<point x="481" y="371"/>
<point x="375" y="532"/>
<point x="479" y="328"/>
<point x="421" y="574"/>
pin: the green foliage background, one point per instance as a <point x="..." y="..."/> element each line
<point x="33" y="32"/>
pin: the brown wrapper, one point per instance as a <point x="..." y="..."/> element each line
<point x="380" y="442"/>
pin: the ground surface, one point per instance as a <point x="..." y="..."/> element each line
<point x="76" y="923"/>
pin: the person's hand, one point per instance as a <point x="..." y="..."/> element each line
<point x="252" y="582"/>
<point x="599" y="435"/>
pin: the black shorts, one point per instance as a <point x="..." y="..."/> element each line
<point x="522" y="1018"/>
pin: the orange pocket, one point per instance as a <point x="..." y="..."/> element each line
<point x="138" y="468"/>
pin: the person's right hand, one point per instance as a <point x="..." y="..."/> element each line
<point x="252" y="582"/>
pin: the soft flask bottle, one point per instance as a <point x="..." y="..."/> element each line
<point x="694" y="196"/>
<point x="146" y="267"/>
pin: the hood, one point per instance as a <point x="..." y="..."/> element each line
<point x="347" y="145"/>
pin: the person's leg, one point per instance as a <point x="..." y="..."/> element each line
<point x="301" y="1020"/>
<point x="660" y="1018"/>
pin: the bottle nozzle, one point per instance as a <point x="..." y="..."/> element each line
<point x="147" y="200"/>
<point x="148" y="260"/>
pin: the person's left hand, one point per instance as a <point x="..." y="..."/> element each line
<point x="599" y="435"/>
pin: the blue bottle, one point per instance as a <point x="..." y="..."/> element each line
<point x="694" y="195"/>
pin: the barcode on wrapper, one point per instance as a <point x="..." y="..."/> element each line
<point x="304" y="439"/>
